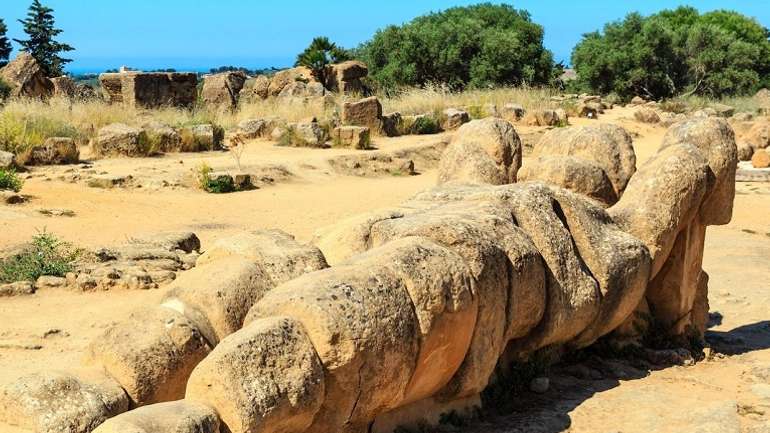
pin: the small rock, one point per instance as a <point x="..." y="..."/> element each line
<point x="760" y="159"/>
<point x="10" y="197"/>
<point x="50" y="282"/>
<point x="19" y="345"/>
<point x="539" y="385"/>
<point x="57" y="212"/>
<point x="106" y="181"/>
<point x="18" y="288"/>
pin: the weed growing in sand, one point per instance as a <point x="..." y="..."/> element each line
<point x="236" y="146"/>
<point x="44" y="255"/>
<point x="213" y="184"/>
<point x="9" y="180"/>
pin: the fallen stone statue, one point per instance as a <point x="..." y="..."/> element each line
<point x="422" y="303"/>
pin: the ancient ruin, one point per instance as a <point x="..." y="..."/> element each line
<point x="150" y="89"/>
<point x="394" y="317"/>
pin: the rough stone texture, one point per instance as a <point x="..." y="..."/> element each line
<point x="55" y="150"/>
<point x="486" y="151"/>
<point x="223" y="89"/>
<point x="346" y="77"/>
<point x="760" y="159"/>
<point x="63" y="87"/>
<point x="716" y="140"/>
<point x="118" y="139"/>
<point x="759" y="135"/>
<point x="202" y="137"/>
<point x="299" y="89"/>
<point x="576" y="174"/>
<point x="7" y="160"/>
<point x="392" y="124"/>
<point x="172" y="417"/>
<point x="513" y="111"/>
<point x="61" y="402"/>
<point x="264" y="378"/>
<point x="19" y="288"/>
<point x="455" y="118"/>
<point x="646" y="115"/>
<point x="283" y="78"/>
<point x="151" y="354"/>
<point x="545" y="117"/>
<point x="745" y="151"/>
<point x="253" y="128"/>
<point x="365" y="112"/>
<point x="234" y="274"/>
<point x="363" y="326"/>
<point x="162" y="137"/>
<point x="310" y="134"/>
<point x="150" y="89"/>
<point x="356" y="137"/>
<point x="610" y="146"/>
<point x="26" y="78"/>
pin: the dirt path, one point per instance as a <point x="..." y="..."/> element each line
<point x="727" y="394"/>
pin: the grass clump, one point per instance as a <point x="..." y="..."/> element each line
<point x="20" y="131"/>
<point x="9" y="180"/>
<point x="44" y="255"/>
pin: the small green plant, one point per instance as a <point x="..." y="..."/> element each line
<point x="213" y="184"/>
<point x="9" y="180"/>
<point x="425" y="125"/>
<point x="476" y="112"/>
<point x="44" y="255"/>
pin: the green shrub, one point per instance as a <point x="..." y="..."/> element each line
<point x="216" y="185"/>
<point x="675" y="52"/>
<point x="44" y="255"/>
<point x="9" y="180"/>
<point x="477" y="46"/>
<point x="426" y="125"/>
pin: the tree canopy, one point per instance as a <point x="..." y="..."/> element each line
<point x="5" y="44"/>
<point x="675" y="52"/>
<point x="40" y="27"/>
<point x="320" y="53"/>
<point x="474" y="46"/>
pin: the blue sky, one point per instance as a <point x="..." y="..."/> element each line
<point x="195" y="34"/>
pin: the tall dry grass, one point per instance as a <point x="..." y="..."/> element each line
<point x="24" y="123"/>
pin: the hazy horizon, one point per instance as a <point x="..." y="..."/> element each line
<point x="196" y="35"/>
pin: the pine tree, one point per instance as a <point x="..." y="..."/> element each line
<point x="5" y="44"/>
<point x="39" y="26"/>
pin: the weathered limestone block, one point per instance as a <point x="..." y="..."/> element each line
<point x="173" y="417"/>
<point x="264" y="378"/>
<point x="118" y="139"/>
<point x="365" y="328"/>
<point x="716" y="141"/>
<point x="276" y="251"/>
<point x="346" y="77"/>
<point x="150" y="89"/>
<point x="610" y="146"/>
<point x="486" y="151"/>
<point x="576" y="174"/>
<point x="63" y="87"/>
<point x="356" y="137"/>
<point x="61" y="402"/>
<point x="283" y="78"/>
<point x="365" y="112"/>
<point x="455" y="118"/>
<point x="545" y="117"/>
<point x="55" y="150"/>
<point x="223" y="89"/>
<point x="162" y="137"/>
<point x="646" y="115"/>
<point x="151" y="354"/>
<point x="26" y="77"/>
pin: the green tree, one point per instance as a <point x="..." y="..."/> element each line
<point x="39" y="26"/>
<point x="5" y="44"/>
<point x="476" y="46"/>
<point x="675" y="52"/>
<point x="320" y="53"/>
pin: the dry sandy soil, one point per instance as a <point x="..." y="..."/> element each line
<point x="730" y="392"/>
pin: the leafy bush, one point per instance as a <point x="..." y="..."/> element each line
<point x="9" y="180"/>
<point x="675" y="52"/>
<point x="420" y="125"/>
<point x="475" y="46"/>
<point x="44" y="255"/>
<point x="216" y="185"/>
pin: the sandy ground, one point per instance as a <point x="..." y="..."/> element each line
<point x="726" y="394"/>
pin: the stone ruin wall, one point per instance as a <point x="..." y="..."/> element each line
<point x="147" y="90"/>
<point x="423" y="303"/>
